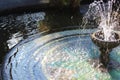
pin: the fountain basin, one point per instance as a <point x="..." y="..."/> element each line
<point x="106" y="44"/>
<point x="64" y="55"/>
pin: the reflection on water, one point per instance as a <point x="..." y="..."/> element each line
<point x="65" y="55"/>
<point x="16" y="27"/>
<point x="15" y="39"/>
<point x="68" y="51"/>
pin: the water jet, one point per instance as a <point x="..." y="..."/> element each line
<point x="105" y="47"/>
<point x="66" y="53"/>
<point x="106" y="37"/>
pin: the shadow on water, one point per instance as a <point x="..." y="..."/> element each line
<point x="58" y="20"/>
<point x="24" y="25"/>
<point x="113" y="67"/>
<point x="114" y="64"/>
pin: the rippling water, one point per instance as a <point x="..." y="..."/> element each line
<point x="49" y="46"/>
<point x="16" y="27"/>
<point x="65" y="55"/>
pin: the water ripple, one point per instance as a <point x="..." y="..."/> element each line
<point x="62" y="55"/>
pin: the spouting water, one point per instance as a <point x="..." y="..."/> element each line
<point x="63" y="55"/>
<point x="106" y="38"/>
<point x="106" y="16"/>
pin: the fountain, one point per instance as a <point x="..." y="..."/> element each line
<point x="106" y="38"/>
<point x="54" y="57"/>
<point x="105" y="47"/>
<point x="65" y="53"/>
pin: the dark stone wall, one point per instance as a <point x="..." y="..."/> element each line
<point x="10" y="4"/>
<point x="13" y="6"/>
<point x="21" y="6"/>
<point x="7" y="4"/>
